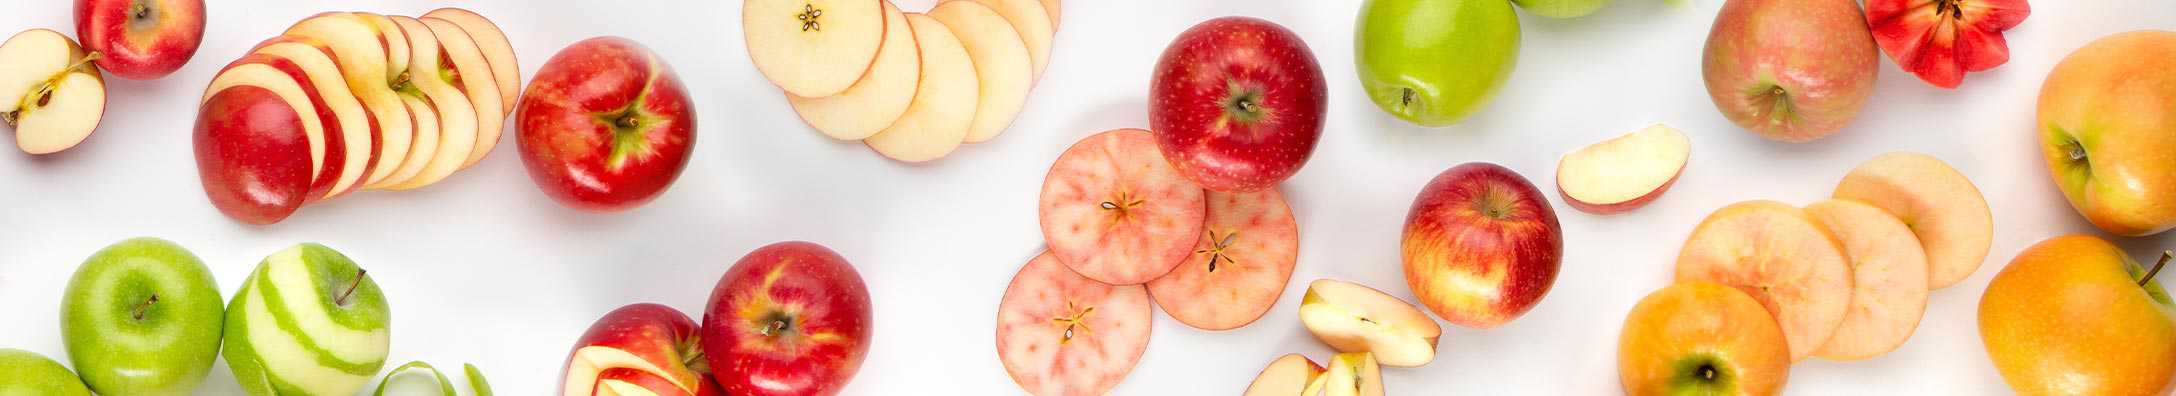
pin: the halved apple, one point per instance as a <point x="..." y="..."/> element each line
<point x="1248" y="247"/>
<point x="498" y="52"/>
<point x="1002" y="67"/>
<point x="1354" y="318"/>
<point x="363" y="56"/>
<point x="244" y="72"/>
<point x="1035" y="24"/>
<point x="49" y="91"/>
<point x="1286" y="376"/>
<point x="1942" y="207"/>
<point x="1059" y="333"/>
<point x="358" y="132"/>
<point x="328" y="148"/>
<point x="813" y="48"/>
<point x="1624" y="173"/>
<point x="880" y="98"/>
<point x="251" y="154"/>
<point x="1350" y="374"/>
<point x="1888" y="280"/>
<point x="457" y="123"/>
<point x="464" y="67"/>
<point x="944" y="102"/>
<point x="1781" y="256"/>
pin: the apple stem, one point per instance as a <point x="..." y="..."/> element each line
<point x="627" y="122"/>
<point x="144" y="307"/>
<point x="2165" y="255"/>
<point x="138" y="11"/>
<point x="352" y="285"/>
<point x="1405" y="99"/>
<point x="2076" y="151"/>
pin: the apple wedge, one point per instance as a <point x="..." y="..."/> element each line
<point x="880" y="98"/>
<point x="498" y="52"/>
<point x="364" y="59"/>
<point x="1624" y="173"/>
<point x="944" y="103"/>
<point x="1115" y="211"/>
<point x="1241" y="263"/>
<point x="457" y="125"/>
<point x="1059" y="333"/>
<point x="1943" y="208"/>
<point x="1781" y="256"/>
<point x="1286" y="376"/>
<point x="1350" y="374"/>
<point x="1888" y="280"/>
<point x="464" y="68"/>
<point x="49" y="91"/>
<point x="251" y="154"/>
<point x="1001" y="64"/>
<point x="1035" y="24"/>
<point x="358" y="132"/>
<point x="813" y="48"/>
<point x="247" y="72"/>
<point x="1354" y="318"/>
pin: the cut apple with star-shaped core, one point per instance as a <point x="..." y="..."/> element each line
<point x="944" y="103"/>
<point x="1623" y="173"/>
<point x="49" y="91"/>
<point x="1355" y="318"/>
<point x="1115" y="211"/>
<point x="1061" y="334"/>
<point x="1941" y="206"/>
<point x="1888" y="280"/>
<point x="1001" y="62"/>
<point x="1783" y="257"/>
<point x="1246" y="252"/>
<point x="880" y="98"/>
<point x="1286" y="376"/>
<point x="813" y="48"/>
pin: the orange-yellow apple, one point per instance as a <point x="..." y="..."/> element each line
<point x="1783" y="257"/>
<point x="2073" y="315"/>
<point x="1701" y="338"/>
<point x="2108" y="131"/>
<point x="49" y="91"/>
<point x="1481" y="246"/>
<point x="1355" y="318"/>
<point x="1623" y="173"/>
<point x="1941" y="206"/>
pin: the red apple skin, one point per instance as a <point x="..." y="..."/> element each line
<point x="584" y="161"/>
<point x="336" y="151"/>
<point x="1237" y="104"/>
<point x="140" y="39"/>
<point x="1941" y="43"/>
<point x="1819" y="53"/>
<point x="1481" y="223"/>
<point x="791" y="318"/>
<point x="1620" y="207"/>
<point x="656" y="333"/>
<point x="251" y="155"/>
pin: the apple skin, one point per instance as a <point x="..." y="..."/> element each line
<point x="2055" y="318"/>
<point x="1435" y="62"/>
<point x="1237" y="104"/>
<point x="1561" y="8"/>
<point x="142" y="317"/>
<point x="790" y="318"/>
<point x="141" y="39"/>
<point x="1701" y="338"/>
<point x="2108" y="128"/>
<point x="251" y="155"/>
<point x="29" y="373"/>
<point x="1482" y="246"/>
<point x="605" y="125"/>
<point x="656" y="333"/>
<point x="1790" y="70"/>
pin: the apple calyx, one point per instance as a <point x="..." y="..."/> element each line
<point x="630" y="132"/>
<point x="1078" y="320"/>
<point x="143" y="307"/>
<point x="1119" y="207"/>
<point x="42" y="96"/>
<point x="2165" y="255"/>
<point x="1703" y="368"/>
<point x="1216" y="251"/>
<point x="138" y="13"/>
<point x="1777" y="100"/>
<point x="342" y="299"/>
<point x="1243" y="104"/>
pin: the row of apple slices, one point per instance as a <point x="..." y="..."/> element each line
<point x="345" y="101"/>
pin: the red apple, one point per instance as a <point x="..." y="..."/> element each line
<point x="1790" y="70"/>
<point x="141" y="39"/>
<point x="1941" y="40"/>
<point x="605" y="126"/>
<point x="1481" y="245"/>
<point x="642" y="346"/>
<point x="252" y="155"/>
<point x="1237" y="104"/>
<point x="791" y="318"/>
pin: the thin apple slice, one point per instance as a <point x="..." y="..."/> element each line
<point x="49" y="91"/>
<point x="1624" y="173"/>
<point x="1355" y="318"/>
<point x="1053" y="8"/>
<point x="421" y="149"/>
<point x="1115" y="211"/>
<point x="328" y="148"/>
<point x="944" y="103"/>
<point x="251" y="154"/>
<point x="361" y="52"/>
<point x="1059" y="333"/>
<point x="1783" y="257"/>
<point x="1240" y="265"/>
<point x="1001" y="64"/>
<point x="1286" y="376"/>
<point x="457" y="123"/>
<point x="1034" y="24"/>
<point x="880" y="98"/>
<point x="813" y="48"/>
<point x="469" y="72"/>
<point x="1350" y="374"/>
<point x="1888" y="280"/>
<point x="397" y="55"/>
<point x="1941" y="206"/>
<point x="244" y="72"/>
<point x="498" y="52"/>
<point x="358" y="132"/>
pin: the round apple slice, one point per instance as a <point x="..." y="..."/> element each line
<point x="1036" y="27"/>
<point x="1943" y="208"/>
<point x="497" y="51"/>
<point x="457" y="123"/>
<point x="813" y="48"/>
<point x="1059" y="333"/>
<point x="944" y="103"/>
<point x="364" y="60"/>
<point x="467" y="70"/>
<point x="1001" y="64"/>
<point x="420" y="149"/>
<point x="1888" y="280"/>
<point x="1239" y="267"/>
<point x="358" y="131"/>
<point x="1783" y="257"/>
<point x="880" y="98"/>
<point x="1115" y="211"/>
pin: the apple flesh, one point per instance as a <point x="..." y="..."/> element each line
<point x="1561" y="8"/>
<point x="1355" y="318"/>
<point x="944" y="103"/>
<point x="1248" y="247"/>
<point x="142" y="317"/>
<point x="1481" y="246"/>
<point x="1237" y="104"/>
<point x="32" y="374"/>
<point x="1790" y="70"/>
<point x="1115" y="211"/>
<point x="812" y="48"/>
<point x="790" y="318"/>
<point x="1286" y="376"/>
<point x="141" y="39"/>
<point x="639" y="349"/>
<point x="2104" y="121"/>
<point x="1942" y="207"/>
<point x="497" y="51"/>
<point x="1941" y="40"/>
<point x="1701" y="338"/>
<point x="1062" y="334"/>
<point x="1783" y="257"/>
<point x="307" y="321"/>
<point x="1001" y="62"/>
<point x="1037" y="23"/>
<point x="1434" y="63"/>
<point x="49" y="91"/>
<point x="2053" y="317"/>
<point x="880" y="98"/>
<point x="1888" y="280"/>
<point x="1350" y="374"/>
<point x="1625" y="173"/>
<point x="605" y="126"/>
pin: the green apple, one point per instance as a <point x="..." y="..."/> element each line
<point x="308" y="321"/>
<point x="1434" y="62"/>
<point x="31" y="374"/>
<point x="1561" y="8"/>
<point x="142" y="317"/>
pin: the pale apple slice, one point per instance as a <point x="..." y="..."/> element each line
<point x="1355" y="318"/>
<point x="420" y="149"/>
<point x="361" y="52"/>
<point x="1350" y="374"/>
<point x="880" y="98"/>
<point x="1624" y="173"/>
<point x="944" y="103"/>
<point x="813" y="48"/>
<point x="457" y="117"/>
<point x="1783" y="257"/>
<point x="1286" y="376"/>
<point x="49" y="91"/>
<point x="1053" y="8"/>
<point x="1244" y="258"/>
<point x="244" y="72"/>
<point x="1001" y="64"/>
<point x="397" y="55"/>
<point x="468" y="71"/>
<point x="1888" y="280"/>
<point x="1943" y="208"/>
<point x="328" y="145"/>
<point x="498" y="52"/>
<point x="1059" y="333"/>
<point x="1034" y="24"/>
<point x="1115" y="211"/>
<point x="358" y="131"/>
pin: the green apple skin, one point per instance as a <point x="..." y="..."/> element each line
<point x="31" y="374"/>
<point x="1561" y="8"/>
<point x="1435" y="62"/>
<point x="142" y="317"/>
<point x="308" y="321"/>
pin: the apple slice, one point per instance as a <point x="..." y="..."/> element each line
<point x="421" y="148"/>
<point x="1350" y="374"/>
<point x="363" y="57"/>
<point x="397" y="56"/>
<point x="944" y="103"/>
<point x="1783" y="257"/>
<point x="1035" y="25"/>
<point x="247" y="72"/>
<point x="1355" y="318"/>
<point x="1059" y="333"/>
<point x="49" y="91"/>
<point x="1052" y="7"/>
<point x="1624" y="173"/>
<point x="498" y="52"/>
<point x="813" y="48"/>
<point x="251" y="154"/>
<point x="456" y="115"/>
<point x="358" y="132"/>
<point x="1001" y="64"/>
<point x="1240" y="264"/>
<point x="1286" y="376"/>
<point x="466" y="69"/>
<point x="1115" y="211"/>
<point x="1888" y="280"/>
<point x="1941" y="206"/>
<point x="880" y="98"/>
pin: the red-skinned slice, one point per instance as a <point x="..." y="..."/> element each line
<point x="1941" y="40"/>
<point x="1061" y="334"/>
<point x="498" y="52"/>
<point x="358" y="131"/>
<point x="645" y="381"/>
<point x="282" y="78"/>
<point x="1240" y="265"/>
<point x="251" y="155"/>
<point x="1115" y="211"/>
<point x="472" y="75"/>
<point x="1783" y="257"/>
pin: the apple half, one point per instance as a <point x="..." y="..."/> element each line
<point x="1355" y="318"/>
<point x="1624" y="173"/>
<point x="1115" y="211"/>
<point x="49" y="91"/>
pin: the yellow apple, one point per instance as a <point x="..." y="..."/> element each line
<point x="2073" y="315"/>
<point x="2108" y="131"/>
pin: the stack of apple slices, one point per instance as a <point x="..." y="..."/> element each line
<point x="912" y="86"/>
<point x="345" y="101"/>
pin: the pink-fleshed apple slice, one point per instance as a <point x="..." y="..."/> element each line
<point x="1623" y="173"/>
<point x="467" y="70"/>
<point x="1942" y="207"/>
<point x="1061" y="334"/>
<point x="1036" y="26"/>
<point x="1115" y="211"/>
<point x="251" y="154"/>
<point x="364" y="59"/>
<point x="1286" y="376"/>
<point x="498" y="52"/>
<point x="1888" y="280"/>
<point x="813" y="48"/>
<point x="1783" y="257"/>
<point x="1240" y="266"/>
<point x="944" y="103"/>
<point x="457" y="131"/>
<point x="357" y="130"/>
<point x="880" y="98"/>
<point x="328" y="146"/>
<point x="246" y="73"/>
<point x="1001" y="64"/>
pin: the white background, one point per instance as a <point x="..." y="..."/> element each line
<point x="483" y="268"/>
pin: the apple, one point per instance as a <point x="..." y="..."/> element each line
<point x="605" y="126"/>
<point x="1481" y="245"/>
<point x="882" y="95"/>
<point x="812" y="48"/>
<point x="1942" y="207"/>
<point x="1001" y="61"/>
<point x="944" y="103"/>
<point x="1434" y="62"/>
<point x="307" y="321"/>
<point x="639" y="349"/>
<point x="141" y="39"/>
<point x="1286" y="376"/>
<point x="1113" y="210"/>
<point x="252" y="155"/>
<point x="142" y="317"/>
<point x="1783" y="257"/>
<point x="2074" y="315"/>
<point x="33" y="374"/>
<point x="444" y="387"/>
<point x="1561" y="8"/>
<point x="1237" y="104"/>
<point x="320" y="127"/>
<point x="1248" y="247"/>
<point x="1888" y="280"/>
<point x="1941" y="40"/>
<point x="1350" y="374"/>
<point x="1790" y="70"/>
<point x="368" y="62"/>
<point x="1701" y="338"/>
<point x="356" y="131"/>
<point x="1355" y="318"/>
<point x="2104" y="123"/>
<point x="49" y="91"/>
<point x="1060" y="333"/>
<point x="1037" y="23"/>
<point x="790" y="318"/>
<point x="1624" y="173"/>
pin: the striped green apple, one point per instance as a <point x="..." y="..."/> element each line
<point x="308" y="321"/>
